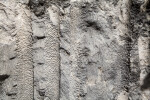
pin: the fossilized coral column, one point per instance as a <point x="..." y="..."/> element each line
<point x="24" y="53"/>
<point x="52" y="54"/>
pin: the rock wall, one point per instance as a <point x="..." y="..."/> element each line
<point x="74" y="50"/>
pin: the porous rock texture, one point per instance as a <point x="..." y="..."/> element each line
<point x="74" y="50"/>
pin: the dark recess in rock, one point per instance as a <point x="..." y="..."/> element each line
<point x="3" y="77"/>
<point x="66" y="51"/>
<point x="37" y="6"/>
<point x="40" y="37"/>
<point x="42" y="92"/>
<point x="40" y="63"/>
<point x="148" y="7"/>
<point x="146" y="83"/>
<point x="11" y="94"/>
<point x="12" y="58"/>
<point x="93" y="25"/>
<point x="35" y="38"/>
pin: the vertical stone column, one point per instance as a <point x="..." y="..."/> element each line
<point x="45" y="25"/>
<point x="52" y="59"/>
<point x="76" y="81"/>
<point x="24" y="53"/>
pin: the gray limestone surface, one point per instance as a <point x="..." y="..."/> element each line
<point x="74" y="50"/>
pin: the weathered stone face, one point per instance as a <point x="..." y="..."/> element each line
<point x="74" y="50"/>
